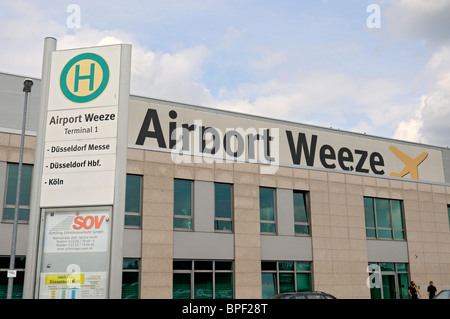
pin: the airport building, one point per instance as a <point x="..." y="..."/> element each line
<point x="223" y="205"/>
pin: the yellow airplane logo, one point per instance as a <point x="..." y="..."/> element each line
<point x="411" y="164"/>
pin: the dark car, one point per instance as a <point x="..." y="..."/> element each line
<point x="303" y="295"/>
<point x="443" y="294"/>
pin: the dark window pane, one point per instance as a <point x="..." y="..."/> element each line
<point x="130" y="285"/>
<point x="133" y="194"/>
<point x="224" y="286"/>
<point x="182" y="197"/>
<point x="268" y="284"/>
<point x="225" y="225"/>
<point x="132" y="220"/>
<point x="181" y="286"/>
<point x="203" y="286"/>
<point x="287" y="283"/>
<point x="368" y="212"/>
<point x="382" y="213"/>
<point x="304" y="282"/>
<point x="300" y="214"/>
<point x="222" y="197"/>
<point x="267" y="203"/>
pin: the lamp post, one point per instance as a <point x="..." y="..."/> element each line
<point x="27" y="84"/>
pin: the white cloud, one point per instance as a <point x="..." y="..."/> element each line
<point x="426" y="20"/>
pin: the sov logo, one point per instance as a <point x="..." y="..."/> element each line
<point x="88" y="222"/>
<point x="84" y="78"/>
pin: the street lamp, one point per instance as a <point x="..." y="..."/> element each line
<point x="27" y="84"/>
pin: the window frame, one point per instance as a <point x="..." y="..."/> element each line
<point x="193" y="270"/>
<point x="139" y="213"/>
<point x="13" y="205"/>
<point x="132" y="270"/>
<point x="267" y="221"/>
<point x="277" y="271"/>
<point x="307" y="212"/>
<point x="186" y="217"/>
<point x="376" y="228"/>
<point x="224" y="219"/>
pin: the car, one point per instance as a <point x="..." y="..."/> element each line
<point x="303" y="295"/>
<point x="443" y="294"/>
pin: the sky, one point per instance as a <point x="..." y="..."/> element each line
<point x="380" y="67"/>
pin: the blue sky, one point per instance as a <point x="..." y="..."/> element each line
<point x="308" y="61"/>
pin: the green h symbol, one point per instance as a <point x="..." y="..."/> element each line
<point x="79" y="77"/>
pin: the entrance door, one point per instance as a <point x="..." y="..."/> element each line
<point x="389" y="286"/>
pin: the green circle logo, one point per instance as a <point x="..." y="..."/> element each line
<point x="84" y="78"/>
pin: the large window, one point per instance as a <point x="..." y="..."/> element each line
<point x="384" y="218"/>
<point x="202" y="279"/>
<point x="133" y="201"/>
<point x="130" y="278"/>
<point x="285" y="276"/>
<point x="223" y="207"/>
<point x="11" y="190"/>
<point x="301" y="221"/>
<point x="182" y="204"/>
<point x="267" y="210"/>
<point x="18" y="280"/>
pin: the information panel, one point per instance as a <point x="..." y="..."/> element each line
<point x="75" y="253"/>
<point x="82" y="174"/>
<point x="81" y="127"/>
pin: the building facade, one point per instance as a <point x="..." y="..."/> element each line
<point x="228" y="205"/>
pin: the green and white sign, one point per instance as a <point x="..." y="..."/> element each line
<point x="83" y="88"/>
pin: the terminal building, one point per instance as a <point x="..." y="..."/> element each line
<point x="228" y="205"/>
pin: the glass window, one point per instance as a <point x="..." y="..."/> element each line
<point x="448" y="212"/>
<point x="384" y="218"/>
<point x="11" y="190"/>
<point x="133" y="201"/>
<point x="19" y="265"/>
<point x="130" y="278"/>
<point x="182" y="203"/>
<point x="202" y="279"/>
<point x="223" y="206"/>
<point x="285" y="276"/>
<point x="267" y="210"/>
<point x="301" y="223"/>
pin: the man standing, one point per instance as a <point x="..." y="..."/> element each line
<point x="431" y="290"/>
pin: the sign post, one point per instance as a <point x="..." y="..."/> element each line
<point x="83" y="171"/>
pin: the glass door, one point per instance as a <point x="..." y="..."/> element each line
<point x="389" y="286"/>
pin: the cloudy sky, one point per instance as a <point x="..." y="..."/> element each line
<point x="376" y="66"/>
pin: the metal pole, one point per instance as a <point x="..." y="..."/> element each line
<point x="27" y="84"/>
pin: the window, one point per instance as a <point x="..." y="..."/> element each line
<point x="388" y="280"/>
<point x="267" y="210"/>
<point x="301" y="223"/>
<point x="223" y="207"/>
<point x="384" y="218"/>
<point x="182" y="203"/>
<point x="202" y="279"/>
<point x="133" y="201"/>
<point x="130" y="278"/>
<point x="11" y="189"/>
<point x="285" y="276"/>
<point x="448" y="212"/>
<point x="19" y="265"/>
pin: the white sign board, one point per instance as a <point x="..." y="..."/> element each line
<point x="81" y="128"/>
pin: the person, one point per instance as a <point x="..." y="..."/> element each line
<point x="413" y="291"/>
<point x="431" y="290"/>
